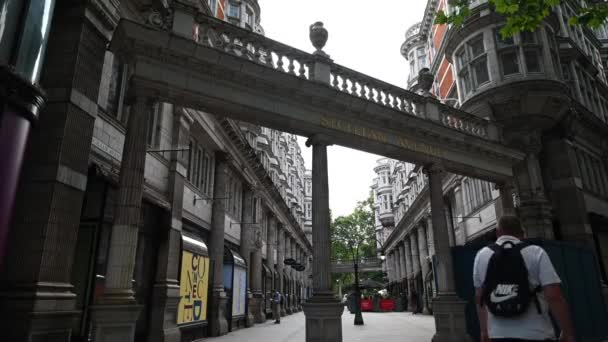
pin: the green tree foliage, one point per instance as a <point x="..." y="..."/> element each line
<point x="354" y="233"/>
<point x="526" y="15"/>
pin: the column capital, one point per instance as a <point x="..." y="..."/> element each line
<point x="318" y="140"/>
<point x="433" y="169"/>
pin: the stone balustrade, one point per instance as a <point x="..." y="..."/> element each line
<point x="220" y="35"/>
<point x="242" y="43"/>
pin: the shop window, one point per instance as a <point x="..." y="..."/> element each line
<point x="472" y="65"/>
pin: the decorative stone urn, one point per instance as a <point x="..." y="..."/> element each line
<point x="425" y="80"/>
<point x="318" y="37"/>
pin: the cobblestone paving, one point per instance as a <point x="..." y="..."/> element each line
<point x="379" y="327"/>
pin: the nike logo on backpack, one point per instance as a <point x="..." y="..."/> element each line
<point x="500" y="298"/>
<point x="503" y="292"/>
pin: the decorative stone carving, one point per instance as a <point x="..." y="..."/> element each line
<point x="162" y="20"/>
<point x="318" y="38"/>
<point x="425" y="80"/>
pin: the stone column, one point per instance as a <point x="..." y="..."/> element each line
<point x="294" y="288"/>
<point x="399" y="264"/>
<point x="163" y="326"/>
<point x="407" y="255"/>
<point x="287" y="275"/>
<point x="323" y="311"/>
<point x="257" y="300"/>
<point x="271" y="246"/>
<point x="115" y="318"/>
<point x="414" y="252"/>
<point x="534" y="209"/>
<point x="448" y="309"/>
<point x="38" y="253"/>
<point x="424" y="264"/>
<point x="415" y="262"/>
<point x="217" y="320"/>
<point x="281" y="265"/>
<point x="392" y="269"/>
<point x="247" y="240"/>
<point x="430" y="236"/>
<point x="292" y="278"/>
<point x="504" y="205"/>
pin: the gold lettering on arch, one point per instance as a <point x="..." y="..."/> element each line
<point x="375" y="135"/>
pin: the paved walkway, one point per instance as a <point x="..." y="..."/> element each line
<point x="379" y="327"/>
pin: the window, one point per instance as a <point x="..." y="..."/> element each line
<point x="117" y="88"/>
<point x="154" y="126"/>
<point x="249" y="19"/>
<point x="212" y="6"/>
<point x="472" y="65"/>
<point x="509" y="62"/>
<point x="521" y="54"/>
<point x="531" y="49"/>
<point x="421" y="55"/>
<point x="200" y="168"/>
<point x="507" y="52"/>
<point x="234" y="10"/>
<point x="308" y="211"/>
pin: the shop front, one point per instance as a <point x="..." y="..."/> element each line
<point x="235" y="285"/>
<point x="193" y="288"/>
<point x="267" y="288"/>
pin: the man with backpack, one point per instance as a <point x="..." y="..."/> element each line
<point x="515" y="286"/>
<point x="277" y="300"/>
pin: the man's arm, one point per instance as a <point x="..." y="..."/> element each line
<point x="483" y="316"/>
<point x="559" y="308"/>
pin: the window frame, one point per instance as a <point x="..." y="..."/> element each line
<point x="466" y="60"/>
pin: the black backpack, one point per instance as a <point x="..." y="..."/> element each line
<point x="506" y="289"/>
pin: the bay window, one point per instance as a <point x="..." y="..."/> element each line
<point x="472" y="63"/>
<point x="519" y="54"/>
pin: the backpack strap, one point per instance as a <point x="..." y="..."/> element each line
<point x="520" y="246"/>
<point x="495" y="248"/>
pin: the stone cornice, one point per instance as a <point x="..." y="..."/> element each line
<point x="408" y="221"/>
<point x="237" y="138"/>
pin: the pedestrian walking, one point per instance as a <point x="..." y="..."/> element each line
<point x="515" y="286"/>
<point x="414" y="300"/>
<point x="277" y="299"/>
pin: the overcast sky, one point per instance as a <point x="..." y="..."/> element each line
<point x="363" y="35"/>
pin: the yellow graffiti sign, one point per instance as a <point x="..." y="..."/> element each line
<point x="376" y="135"/>
<point x="193" y="287"/>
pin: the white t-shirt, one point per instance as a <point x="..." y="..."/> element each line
<point x="531" y="325"/>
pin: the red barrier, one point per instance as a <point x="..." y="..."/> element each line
<point x="367" y="305"/>
<point x="387" y="305"/>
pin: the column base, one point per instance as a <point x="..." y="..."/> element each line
<point x="114" y="323"/>
<point x="450" y="322"/>
<point x="288" y="308"/>
<point x="163" y="326"/>
<point x="249" y="319"/>
<point x="257" y="308"/>
<point x="323" y="319"/>
<point x="217" y="323"/>
<point x="26" y="317"/>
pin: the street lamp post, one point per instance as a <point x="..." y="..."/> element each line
<point x="358" y="315"/>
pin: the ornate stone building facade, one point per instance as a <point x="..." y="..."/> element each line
<point x="173" y="231"/>
<point x="548" y="89"/>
